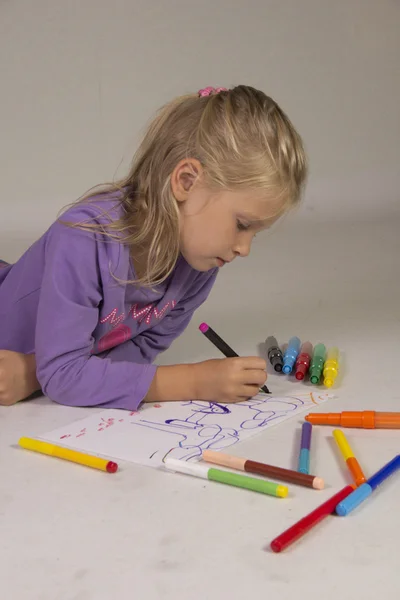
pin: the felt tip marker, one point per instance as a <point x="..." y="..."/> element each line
<point x="317" y="363"/>
<point x="304" y="456"/>
<point x="348" y="455"/>
<point x="274" y="353"/>
<point x="300" y="528"/>
<point x="251" y="466"/>
<point x="303" y="361"/>
<point x="366" y="419"/>
<point x="223" y="346"/>
<point x="363" y="492"/>
<point x="242" y="481"/>
<point x="88" y="460"/>
<point x="290" y="356"/>
<point x="331" y="367"/>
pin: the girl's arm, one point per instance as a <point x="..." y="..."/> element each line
<point x="68" y="313"/>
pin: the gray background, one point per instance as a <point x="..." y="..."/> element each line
<point x="79" y="80"/>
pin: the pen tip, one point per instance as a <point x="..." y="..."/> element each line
<point x="204" y="327"/>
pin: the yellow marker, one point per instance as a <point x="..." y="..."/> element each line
<point x="59" y="452"/>
<point x="331" y="367"/>
<point x="348" y="455"/>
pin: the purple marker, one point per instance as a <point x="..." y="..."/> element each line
<point x="304" y="456"/>
<point x="222" y="346"/>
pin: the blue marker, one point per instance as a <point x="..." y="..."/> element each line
<point x="292" y="352"/>
<point x="360" y="494"/>
<point x="304" y="456"/>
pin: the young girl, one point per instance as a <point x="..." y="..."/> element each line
<point x="88" y="307"/>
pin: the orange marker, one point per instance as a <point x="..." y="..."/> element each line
<point x="367" y="419"/>
<point x="348" y="455"/>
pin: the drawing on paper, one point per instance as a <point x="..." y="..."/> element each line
<point x="182" y="429"/>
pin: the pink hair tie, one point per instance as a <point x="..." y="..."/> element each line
<point x="209" y="91"/>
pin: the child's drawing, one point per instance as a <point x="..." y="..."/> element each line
<point x="182" y="429"/>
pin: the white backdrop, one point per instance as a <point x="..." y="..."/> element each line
<point x="80" y="79"/>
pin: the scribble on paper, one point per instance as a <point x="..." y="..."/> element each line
<point x="182" y="429"/>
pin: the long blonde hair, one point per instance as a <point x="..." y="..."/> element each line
<point x="242" y="139"/>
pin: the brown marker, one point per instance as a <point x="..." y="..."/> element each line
<point x="250" y="466"/>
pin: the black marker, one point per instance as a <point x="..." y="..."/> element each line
<point x="275" y="355"/>
<point x="223" y="347"/>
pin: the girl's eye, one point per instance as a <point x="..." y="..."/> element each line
<point x="242" y="226"/>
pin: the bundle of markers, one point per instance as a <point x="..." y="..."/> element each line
<point x="302" y="359"/>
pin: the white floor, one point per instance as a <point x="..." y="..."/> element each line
<point x="70" y="533"/>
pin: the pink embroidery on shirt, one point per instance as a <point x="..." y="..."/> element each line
<point x="154" y="313"/>
<point x="150" y="312"/>
<point x="121" y="333"/>
<point x="112" y="317"/>
<point x="115" y="337"/>
<point x="140" y="314"/>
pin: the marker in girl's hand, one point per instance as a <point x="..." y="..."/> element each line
<point x="223" y="347"/>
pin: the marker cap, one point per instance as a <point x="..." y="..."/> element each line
<point x="315" y="376"/>
<point x="301" y="370"/>
<point x="351" y="502"/>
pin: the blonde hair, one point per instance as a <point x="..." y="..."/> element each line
<point x="242" y="139"/>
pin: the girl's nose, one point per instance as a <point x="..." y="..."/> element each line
<point x="242" y="248"/>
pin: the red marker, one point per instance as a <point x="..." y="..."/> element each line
<point x="303" y="360"/>
<point x="300" y="528"/>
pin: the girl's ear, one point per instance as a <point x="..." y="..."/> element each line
<point x="186" y="173"/>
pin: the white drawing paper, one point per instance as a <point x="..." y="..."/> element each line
<point x="180" y="429"/>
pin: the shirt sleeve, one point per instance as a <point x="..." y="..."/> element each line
<point x="68" y="314"/>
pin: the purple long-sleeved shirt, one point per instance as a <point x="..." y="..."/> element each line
<point x="94" y="338"/>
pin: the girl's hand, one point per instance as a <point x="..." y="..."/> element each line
<point x="229" y="379"/>
<point x="17" y="377"/>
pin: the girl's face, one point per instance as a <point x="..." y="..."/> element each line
<point x="218" y="227"/>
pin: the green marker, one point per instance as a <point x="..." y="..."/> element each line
<point x="242" y="481"/>
<point x="317" y="363"/>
